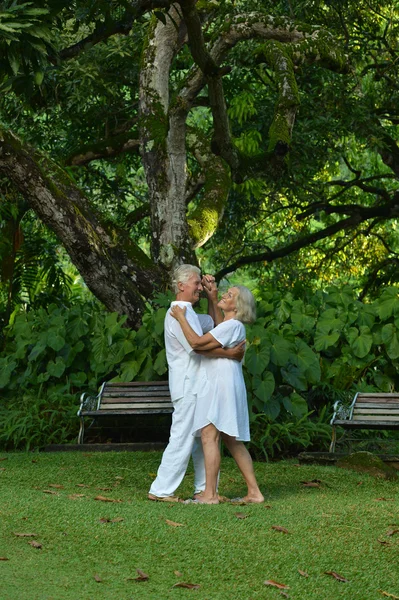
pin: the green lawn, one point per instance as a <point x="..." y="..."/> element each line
<point x="333" y="527"/>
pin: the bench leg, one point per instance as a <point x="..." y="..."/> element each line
<point x="333" y="439"/>
<point x="81" y="431"/>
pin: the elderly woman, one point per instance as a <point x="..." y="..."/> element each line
<point x="221" y="409"/>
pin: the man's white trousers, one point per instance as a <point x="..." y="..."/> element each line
<point x="182" y="444"/>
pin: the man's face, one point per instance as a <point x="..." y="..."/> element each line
<point x="190" y="290"/>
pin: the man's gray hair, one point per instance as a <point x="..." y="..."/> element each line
<point x="245" y="305"/>
<point x="182" y="274"/>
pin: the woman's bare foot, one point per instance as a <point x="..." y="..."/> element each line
<point x="204" y="500"/>
<point x="253" y="499"/>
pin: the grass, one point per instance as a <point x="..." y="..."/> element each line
<point x="333" y="527"/>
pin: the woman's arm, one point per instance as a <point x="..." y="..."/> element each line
<point x="197" y="342"/>
<point x="236" y="353"/>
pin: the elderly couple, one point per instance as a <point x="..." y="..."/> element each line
<point x="204" y="354"/>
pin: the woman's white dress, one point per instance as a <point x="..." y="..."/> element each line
<point x="222" y="397"/>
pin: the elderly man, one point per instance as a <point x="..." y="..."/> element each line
<point x="184" y="379"/>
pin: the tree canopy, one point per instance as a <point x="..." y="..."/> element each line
<point x="149" y="133"/>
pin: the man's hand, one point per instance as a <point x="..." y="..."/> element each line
<point x="210" y="287"/>
<point x="236" y="353"/>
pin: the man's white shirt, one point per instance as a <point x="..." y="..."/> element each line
<point x="184" y="364"/>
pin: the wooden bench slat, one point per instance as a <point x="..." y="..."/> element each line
<point x="136" y="406"/>
<point x="143" y="395"/>
<point x="376" y="411"/>
<point x="375" y="418"/>
<point x="139" y="411"/>
<point x="137" y="384"/>
<point x="372" y="407"/>
<point x="136" y="399"/>
<point x="383" y="395"/>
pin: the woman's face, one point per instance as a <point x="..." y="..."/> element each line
<point x="228" y="301"/>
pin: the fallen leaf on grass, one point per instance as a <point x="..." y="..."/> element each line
<point x="35" y="545"/>
<point x="82" y="485"/>
<point x="56" y="485"/>
<point x="314" y="483"/>
<point x="108" y="520"/>
<point x="284" y="594"/>
<point x="384" y="542"/>
<point x="119" y="477"/>
<point x="2" y="468"/>
<point x="4" y="558"/>
<point x="50" y="492"/>
<point x="75" y="496"/>
<point x="25" y="534"/>
<point x="384" y="499"/>
<point x="389" y="595"/>
<point x="178" y="574"/>
<point x="98" y="578"/>
<point x="303" y="573"/>
<point x="105" y="499"/>
<point x="104" y="489"/>
<point x="391" y="532"/>
<point x="189" y="586"/>
<point x="278" y="528"/>
<point x="336" y="576"/>
<point x="241" y="515"/>
<point x="173" y="523"/>
<point x="141" y="576"/>
<point x="280" y="586"/>
<point x="5" y="458"/>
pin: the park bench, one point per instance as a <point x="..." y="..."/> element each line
<point x="367" y="411"/>
<point x="124" y="400"/>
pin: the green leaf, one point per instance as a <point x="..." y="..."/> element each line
<point x="39" y="76"/>
<point x="272" y="408"/>
<point x="280" y="350"/>
<point x="257" y="358"/>
<point x="390" y="338"/>
<point x="323" y="341"/>
<point x="360" y="341"/>
<point x="6" y="369"/>
<point x="57" y="368"/>
<point x="265" y="389"/>
<point x="129" y="371"/>
<point x="296" y="404"/>
<point x="295" y="377"/>
<point x="55" y="341"/>
<point x="307" y="361"/>
<point x="160" y="365"/>
<point x="387" y="304"/>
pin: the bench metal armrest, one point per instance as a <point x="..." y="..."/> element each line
<point x="342" y="411"/>
<point x="88" y="403"/>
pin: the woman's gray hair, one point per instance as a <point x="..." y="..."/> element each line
<point x="245" y="305"/>
<point x="182" y="274"/>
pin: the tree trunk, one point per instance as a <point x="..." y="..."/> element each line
<point x="117" y="272"/>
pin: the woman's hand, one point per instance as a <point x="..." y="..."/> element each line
<point x="178" y="312"/>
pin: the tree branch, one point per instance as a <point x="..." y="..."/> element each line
<point x="359" y="216"/>
<point x="136" y="10"/>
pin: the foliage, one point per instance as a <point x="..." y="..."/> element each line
<point x="302" y="355"/>
<point x="51" y="356"/>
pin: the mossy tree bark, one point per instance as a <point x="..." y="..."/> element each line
<point x="117" y="272"/>
<point x="114" y="268"/>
